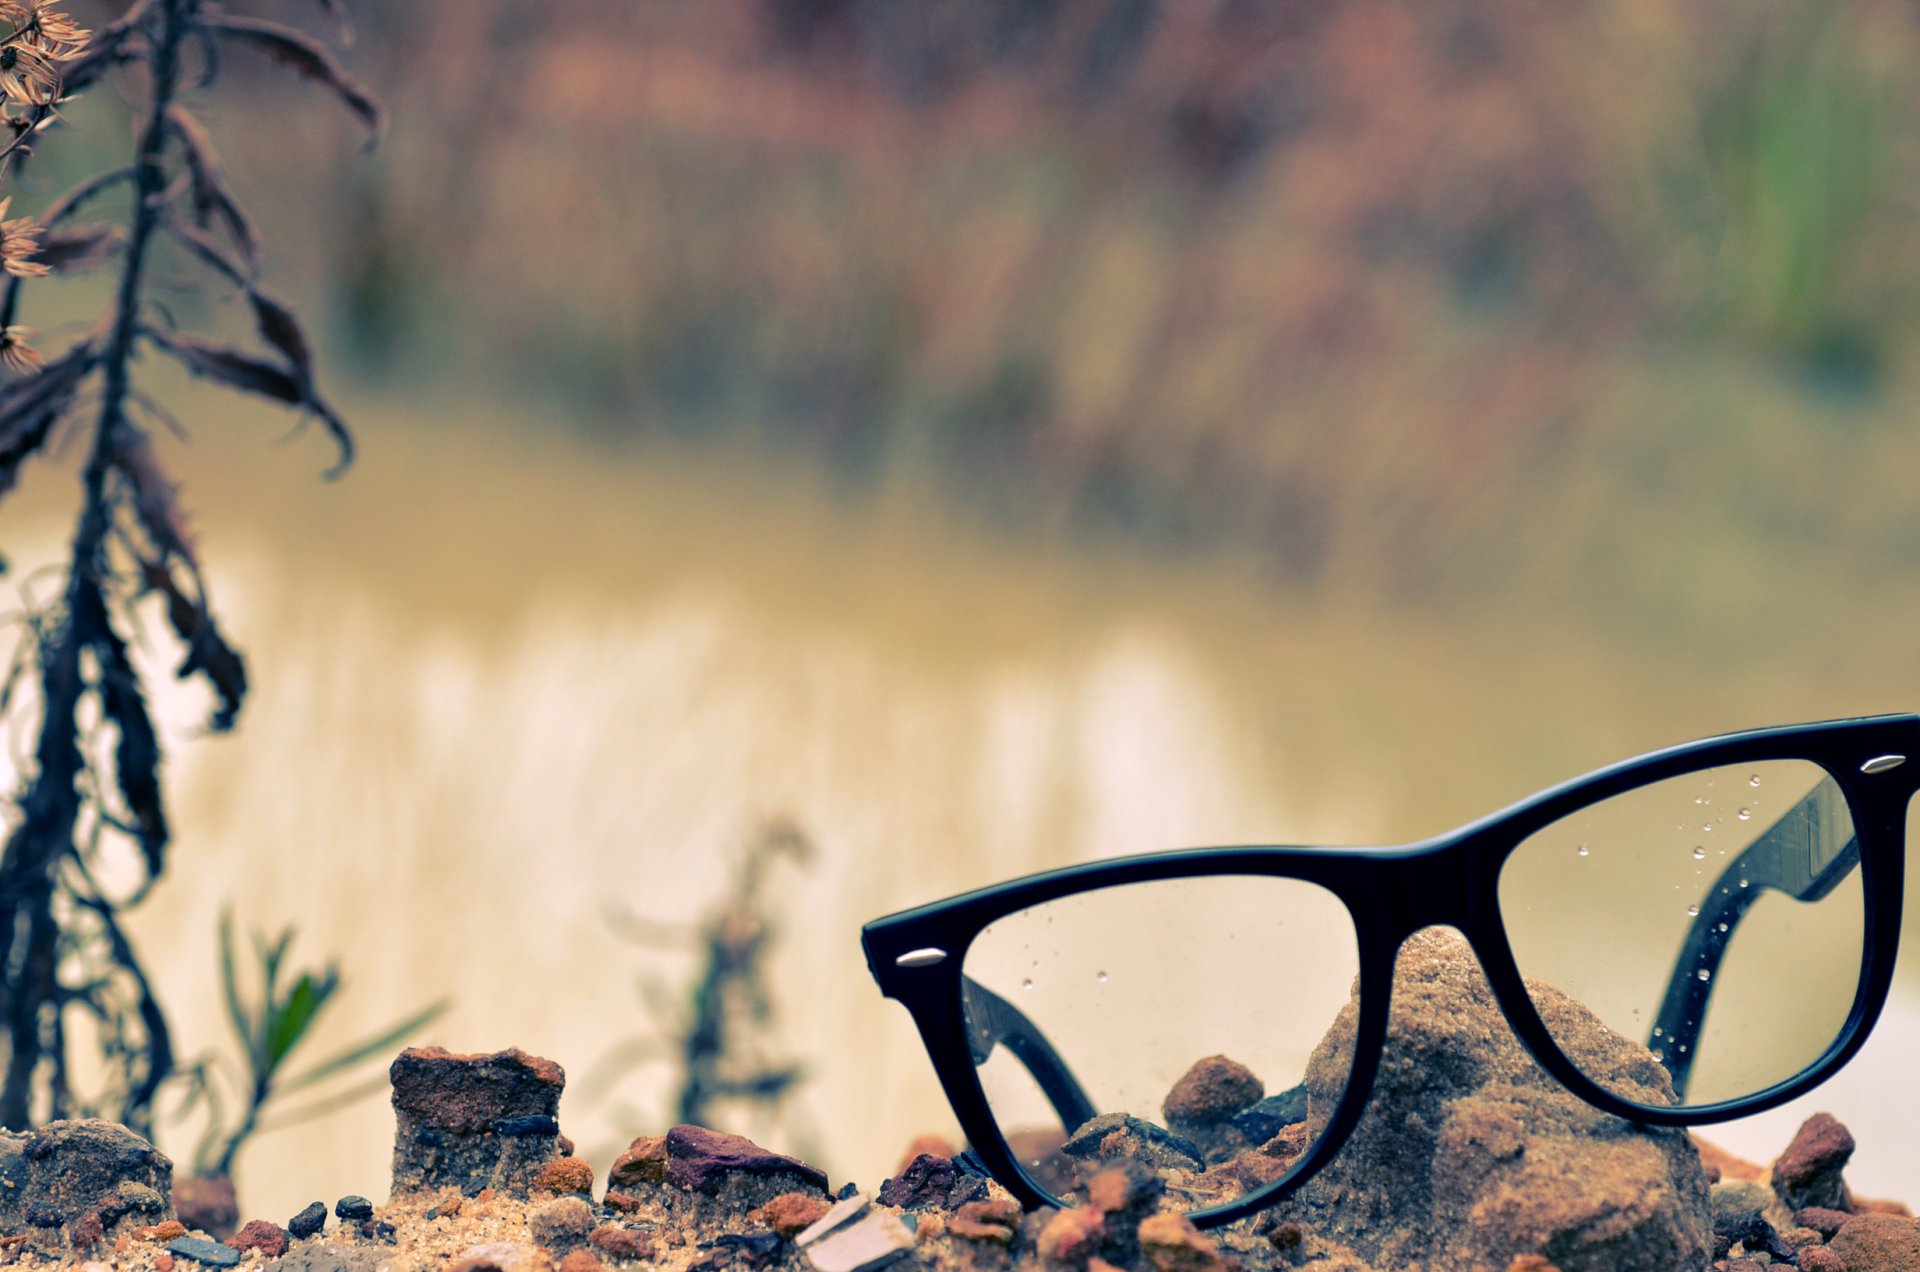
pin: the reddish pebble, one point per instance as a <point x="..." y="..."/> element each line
<point x="163" y="1262"/>
<point x="644" y="1162"/>
<point x="621" y="1243"/>
<point x="1213" y="1090"/>
<point x="791" y="1213"/>
<point x="564" y="1175"/>
<point x="1072" y="1235"/>
<point x="624" y="1202"/>
<point x="1877" y="1243"/>
<point x="1808" y="1173"/>
<point x="1531" y="1263"/>
<point x="1821" y="1220"/>
<point x="581" y="1261"/>
<point x="270" y="1239"/>
<point x="161" y="1233"/>
<point x="1172" y="1244"/>
<point x="86" y="1231"/>
<point x="995" y="1220"/>
<point x="1820" y="1259"/>
<point x="926" y="1146"/>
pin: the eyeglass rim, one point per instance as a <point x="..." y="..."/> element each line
<point x="1390" y="892"/>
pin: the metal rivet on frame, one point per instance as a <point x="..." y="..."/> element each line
<point x="921" y="958"/>
<point x="1881" y="763"/>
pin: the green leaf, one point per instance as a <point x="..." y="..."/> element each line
<point x="290" y="1022"/>
<point x="371" y="1047"/>
<point x="229" y="981"/>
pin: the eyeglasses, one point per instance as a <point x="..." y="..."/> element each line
<point x="1733" y="904"/>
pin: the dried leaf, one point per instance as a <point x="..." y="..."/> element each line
<point x="71" y="249"/>
<point x="136" y="756"/>
<point x="156" y="498"/>
<point x="307" y="56"/>
<point x="280" y="327"/>
<point x="29" y="408"/>
<point x="251" y="373"/>
<point x="208" y="653"/>
<point x="235" y="368"/>
<point x="202" y="244"/>
<point x="213" y="198"/>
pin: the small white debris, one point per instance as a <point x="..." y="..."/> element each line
<point x="842" y="1212"/>
<point x="877" y="1239"/>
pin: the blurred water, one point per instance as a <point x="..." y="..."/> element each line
<point x="501" y="688"/>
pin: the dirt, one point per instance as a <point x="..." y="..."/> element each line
<point x="1468" y="1158"/>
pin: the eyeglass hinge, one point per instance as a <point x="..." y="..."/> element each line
<point x="1881" y="763"/>
<point x="921" y="958"/>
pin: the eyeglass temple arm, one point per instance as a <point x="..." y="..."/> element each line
<point x="1805" y="854"/>
<point x="993" y="1021"/>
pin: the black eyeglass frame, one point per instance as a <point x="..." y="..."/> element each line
<point x="917" y="956"/>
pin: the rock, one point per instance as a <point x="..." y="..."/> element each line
<point x="163" y="1232"/>
<point x="791" y="1214"/>
<point x="1822" y="1220"/>
<point x="1211" y="1092"/>
<point x="564" y="1175"/>
<point x="644" y="1162"/>
<point x="701" y="1160"/>
<point x="270" y="1239"/>
<point x="51" y="1177"/>
<point x="1470" y="1155"/>
<point x="1808" y="1173"/>
<point x="927" y="1146"/>
<point x="1740" y="1197"/>
<point x="353" y="1209"/>
<point x="211" y="1253"/>
<point x="1072" y="1236"/>
<point x="1267" y="1118"/>
<point x="1821" y="1259"/>
<point x="581" y="1261"/>
<point x="869" y="1242"/>
<point x="500" y="1256"/>
<point x="997" y="1221"/>
<point x="328" y="1256"/>
<point x="474" y="1121"/>
<point x="309" y="1221"/>
<point x="1117" y="1136"/>
<point x="85" y="1232"/>
<point x="622" y="1243"/>
<point x="1172" y="1244"/>
<point x="1878" y="1243"/>
<point x="207" y="1202"/>
<point x="924" y="1182"/>
<point x="562" y="1223"/>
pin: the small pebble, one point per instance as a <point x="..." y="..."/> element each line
<point x="352" y="1209"/>
<point x="211" y="1253"/>
<point x="309" y="1221"/>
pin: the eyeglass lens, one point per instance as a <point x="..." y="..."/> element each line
<point x="1718" y="917"/>
<point x="1184" y="1024"/>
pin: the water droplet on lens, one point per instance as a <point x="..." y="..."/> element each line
<point x="1101" y="977"/>
<point x="1659" y="1054"/>
<point x="1683" y="1048"/>
<point x="1583" y="850"/>
<point x="1693" y="911"/>
<point x="1703" y="975"/>
<point x="1699" y="853"/>
<point x="1699" y="799"/>
<point x="1658" y="1032"/>
<point x="1723" y="927"/>
<point x="1743" y="883"/>
<point x="1744" y="814"/>
<point x="1754" y="780"/>
<point x="1027" y="983"/>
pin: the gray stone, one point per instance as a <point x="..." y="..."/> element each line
<point x="474" y="1121"/>
<point x="211" y="1253"/>
<point x="1140" y="1141"/>
<point x="327" y="1256"/>
<point x="52" y="1176"/>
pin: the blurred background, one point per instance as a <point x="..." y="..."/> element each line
<point x="994" y="435"/>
